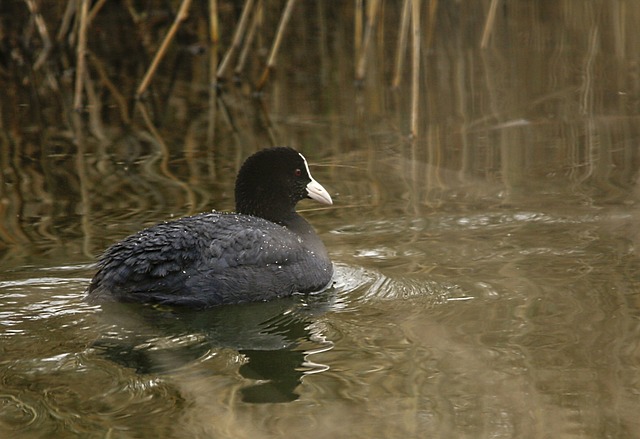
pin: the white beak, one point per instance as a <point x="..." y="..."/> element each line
<point x="318" y="193"/>
<point x="315" y="191"/>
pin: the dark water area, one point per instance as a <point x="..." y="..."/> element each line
<point x="487" y="276"/>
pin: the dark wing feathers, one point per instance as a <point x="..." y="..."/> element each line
<point x="207" y="252"/>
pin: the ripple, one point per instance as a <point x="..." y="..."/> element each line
<point x="16" y="413"/>
<point x="359" y="285"/>
<point x="41" y="298"/>
<point x="45" y="283"/>
<point x="468" y="221"/>
<point x="382" y="227"/>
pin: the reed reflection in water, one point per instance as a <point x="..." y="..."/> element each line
<point x="487" y="273"/>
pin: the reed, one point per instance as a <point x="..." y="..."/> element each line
<point x="488" y="27"/>
<point x="401" y="47"/>
<point x="237" y="38"/>
<point x="180" y="17"/>
<point x="242" y="58"/>
<point x="43" y="31"/>
<point x="240" y="39"/>
<point x="372" y="15"/>
<point x="415" y="66"/>
<point x="81" y="54"/>
<point x="244" y="33"/>
<point x="214" y="41"/>
<point x="271" y="63"/>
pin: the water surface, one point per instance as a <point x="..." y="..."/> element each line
<point x="487" y="273"/>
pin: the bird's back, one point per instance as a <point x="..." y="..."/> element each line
<point x="211" y="259"/>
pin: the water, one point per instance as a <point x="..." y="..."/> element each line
<point x="487" y="273"/>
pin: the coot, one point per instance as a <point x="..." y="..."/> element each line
<point x="262" y="251"/>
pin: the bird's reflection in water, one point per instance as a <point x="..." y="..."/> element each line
<point x="274" y="338"/>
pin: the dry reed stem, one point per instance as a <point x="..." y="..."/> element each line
<point x="135" y="17"/>
<point x="357" y="28"/>
<point x="402" y="42"/>
<point x="257" y="17"/>
<point x="42" y="30"/>
<point x="415" y="61"/>
<point x="284" y="19"/>
<point x="620" y="29"/>
<point x="488" y="25"/>
<point x="214" y="27"/>
<point x="237" y="38"/>
<point x="372" y="14"/>
<point x="433" y="8"/>
<point x="66" y="21"/>
<point x="214" y="39"/>
<point x="94" y="11"/>
<point x="81" y="55"/>
<point x="182" y="15"/>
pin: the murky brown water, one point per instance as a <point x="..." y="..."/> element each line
<point x="487" y="273"/>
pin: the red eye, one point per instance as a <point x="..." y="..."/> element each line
<point x="297" y="172"/>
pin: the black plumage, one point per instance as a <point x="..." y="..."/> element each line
<point x="263" y="251"/>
